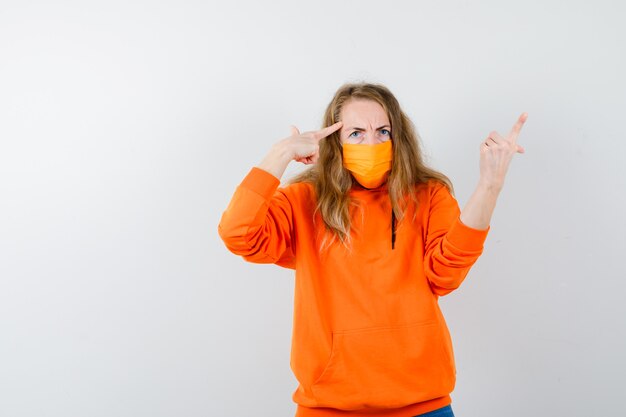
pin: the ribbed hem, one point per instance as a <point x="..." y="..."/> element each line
<point x="466" y="238"/>
<point x="261" y="182"/>
<point x="408" y="411"/>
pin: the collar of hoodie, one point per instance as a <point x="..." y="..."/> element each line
<point x="358" y="188"/>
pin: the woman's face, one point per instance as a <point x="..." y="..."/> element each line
<point x="365" y="122"/>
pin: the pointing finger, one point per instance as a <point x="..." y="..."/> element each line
<point x="320" y="134"/>
<point x="294" y="131"/>
<point x="517" y="127"/>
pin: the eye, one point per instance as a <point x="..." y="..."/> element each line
<point x="385" y="132"/>
<point x="353" y="134"/>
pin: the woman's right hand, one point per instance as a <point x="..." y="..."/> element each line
<point x="301" y="147"/>
<point x="304" y="147"/>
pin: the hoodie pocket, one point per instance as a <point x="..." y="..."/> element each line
<point x="386" y="367"/>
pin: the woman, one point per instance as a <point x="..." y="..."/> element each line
<point x="374" y="237"/>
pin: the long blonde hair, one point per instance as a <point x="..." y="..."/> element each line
<point x="332" y="181"/>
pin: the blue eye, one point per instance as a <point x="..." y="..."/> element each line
<point x="385" y="130"/>
<point x="351" y="134"/>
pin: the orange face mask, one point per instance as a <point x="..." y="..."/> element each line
<point x="369" y="164"/>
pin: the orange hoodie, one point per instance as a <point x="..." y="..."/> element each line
<point x="368" y="337"/>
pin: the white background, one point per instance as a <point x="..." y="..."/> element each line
<point x="125" y="127"/>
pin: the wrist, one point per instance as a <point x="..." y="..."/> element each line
<point x="490" y="186"/>
<point x="281" y="151"/>
<point x="276" y="161"/>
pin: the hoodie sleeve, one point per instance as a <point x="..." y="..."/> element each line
<point x="258" y="221"/>
<point x="451" y="247"/>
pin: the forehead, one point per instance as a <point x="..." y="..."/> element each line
<point x="363" y="112"/>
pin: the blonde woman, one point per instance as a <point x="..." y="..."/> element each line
<point x="375" y="238"/>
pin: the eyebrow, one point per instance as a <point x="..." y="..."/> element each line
<point x="361" y="129"/>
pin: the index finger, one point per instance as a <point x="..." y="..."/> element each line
<point x="322" y="133"/>
<point x="517" y="127"/>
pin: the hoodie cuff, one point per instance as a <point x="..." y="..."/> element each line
<point x="467" y="238"/>
<point x="261" y="182"/>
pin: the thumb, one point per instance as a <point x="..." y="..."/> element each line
<point x="294" y="131"/>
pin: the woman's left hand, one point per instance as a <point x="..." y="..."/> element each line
<point x="496" y="153"/>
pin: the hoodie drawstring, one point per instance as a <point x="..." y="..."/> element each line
<point x="393" y="229"/>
